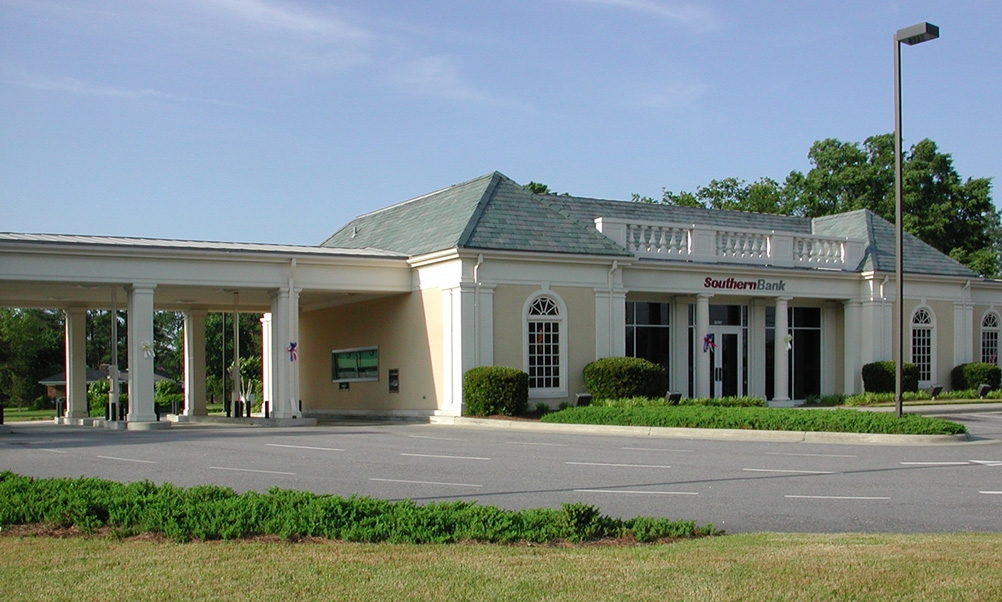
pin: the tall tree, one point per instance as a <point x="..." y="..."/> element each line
<point x="955" y="216"/>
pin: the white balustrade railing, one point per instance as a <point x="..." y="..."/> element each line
<point x="704" y="244"/>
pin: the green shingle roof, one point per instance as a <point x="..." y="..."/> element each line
<point x="493" y="212"/>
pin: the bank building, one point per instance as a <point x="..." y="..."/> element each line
<point x="385" y="316"/>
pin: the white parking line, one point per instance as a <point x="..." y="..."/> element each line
<point x="250" y="470"/>
<point x="787" y="471"/>
<point x="55" y="451"/>
<point x="991" y="492"/>
<point x="988" y="462"/>
<point x="935" y="463"/>
<point x="304" y="447"/>
<point x="834" y="497"/>
<point x="635" y="492"/>
<point x="616" y="465"/>
<point x="128" y="460"/>
<point x="811" y="455"/>
<point x="656" y="449"/>
<point x="540" y="444"/>
<point x="426" y="483"/>
<point x="435" y="438"/>
<point x="445" y="457"/>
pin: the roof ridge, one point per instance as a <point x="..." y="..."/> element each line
<point x="488" y="195"/>
<point x="426" y="195"/>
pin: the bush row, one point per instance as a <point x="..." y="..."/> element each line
<point x="773" y="419"/>
<point x="641" y="402"/>
<point x="209" y="512"/>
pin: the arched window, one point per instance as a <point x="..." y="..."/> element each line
<point x="546" y="347"/>
<point x="923" y="343"/>
<point x="990" y="326"/>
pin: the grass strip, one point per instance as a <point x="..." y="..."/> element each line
<point x="209" y="512"/>
<point x="792" y="567"/>
<point x="772" y="419"/>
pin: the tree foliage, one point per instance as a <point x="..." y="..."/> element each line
<point x="953" y="215"/>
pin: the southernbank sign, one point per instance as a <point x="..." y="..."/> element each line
<point x="745" y="285"/>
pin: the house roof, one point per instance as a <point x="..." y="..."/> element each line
<point x="493" y="212"/>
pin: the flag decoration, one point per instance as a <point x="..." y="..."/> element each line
<point x="708" y="343"/>
<point x="293" y="352"/>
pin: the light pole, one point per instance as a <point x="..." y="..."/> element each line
<point x="916" y="34"/>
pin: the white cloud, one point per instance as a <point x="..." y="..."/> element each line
<point x="674" y="96"/>
<point x="438" y="76"/>
<point x="687" y="14"/>
<point x="72" y="85"/>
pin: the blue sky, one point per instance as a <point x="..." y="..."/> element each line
<point x="280" y="120"/>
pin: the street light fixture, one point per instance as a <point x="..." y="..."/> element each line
<point x="916" y="34"/>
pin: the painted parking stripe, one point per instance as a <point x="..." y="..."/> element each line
<point x="128" y="460"/>
<point x="616" y="465"/>
<point x="835" y="497"/>
<point x="626" y="491"/>
<point x="304" y="447"/>
<point x="656" y="449"/>
<point x="250" y="470"/>
<point x="55" y="451"/>
<point x="787" y="471"/>
<point x="991" y="492"/>
<point x="987" y="462"/>
<point x="538" y="444"/>
<point x="935" y="463"/>
<point x="426" y="483"/>
<point x="435" y="438"/>
<point x="811" y="455"/>
<point x="444" y="457"/>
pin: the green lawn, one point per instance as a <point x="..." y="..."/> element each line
<point x="16" y="415"/>
<point x="736" y="567"/>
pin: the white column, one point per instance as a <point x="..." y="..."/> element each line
<point x="963" y="333"/>
<point x="781" y="387"/>
<point x="76" y="363"/>
<point x="610" y="323"/>
<point x="458" y="344"/>
<point x="702" y="373"/>
<point x="267" y="361"/>
<point x="829" y="359"/>
<point x="284" y="371"/>
<point x="678" y="376"/>
<point x="194" y="363"/>
<point x="140" y="322"/>
<point x="852" y="328"/>
<point x="756" y="348"/>
<point x="485" y="326"/>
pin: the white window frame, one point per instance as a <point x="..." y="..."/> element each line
<point x="993" y="329"/>
<point x="915" y="327"/>
<point x="562" y="332"/>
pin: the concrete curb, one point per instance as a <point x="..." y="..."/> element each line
<point x="707" y="434"/>
<point x="253" y="421"/>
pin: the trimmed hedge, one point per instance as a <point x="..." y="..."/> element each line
<point x="638" y="402"/>
<point x="490" y="390"/>
<point x="969" y="376"/>
<point x="209" y="512"/>
<point x="768" y="419"/>
<point x="622" y="377"/>
<point x="878" y="377"/>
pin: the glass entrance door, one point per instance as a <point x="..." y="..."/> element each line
<point x="725" y="362"/>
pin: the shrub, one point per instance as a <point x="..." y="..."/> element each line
<point x="969" y="376"/>
<point x="641" y="402"/>
<point x="489" y="390"/>
<point x="771" y="419"/>
<point x="619" y="377"/>
<point x="878" y="377"/>
<point x="208" y="512"/>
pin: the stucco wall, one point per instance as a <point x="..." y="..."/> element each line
<point x="579" y="331"/>
<point x="408" y="331"/>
